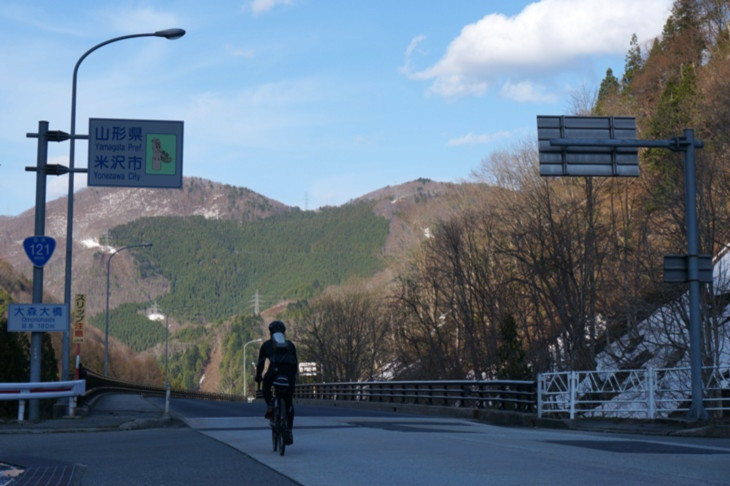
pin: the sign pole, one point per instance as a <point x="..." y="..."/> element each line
<point x="697" y="410"/>
<point x="36" y="338"/>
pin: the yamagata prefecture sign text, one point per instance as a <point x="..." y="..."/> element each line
<point x="135" y="153"/>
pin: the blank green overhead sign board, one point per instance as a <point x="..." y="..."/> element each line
<point x="135" y="153"/>
<point x="590" y="154"/>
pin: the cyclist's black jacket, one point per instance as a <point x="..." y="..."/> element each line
<point x="280" y="362"/>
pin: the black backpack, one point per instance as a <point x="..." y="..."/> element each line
<point x="281" y="352"/>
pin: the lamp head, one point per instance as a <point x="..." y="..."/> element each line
<point x="171" y="34"/>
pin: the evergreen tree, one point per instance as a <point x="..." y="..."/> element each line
<point x="607" y="93"/>
<point x="511" y="353"/>
<point x="632" y="67"/>
<point x="682" y="36"/>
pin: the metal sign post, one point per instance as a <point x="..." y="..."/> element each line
<point x="607" y="146"/>
<point x="44" y="250"/>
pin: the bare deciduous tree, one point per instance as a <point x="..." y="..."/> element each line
<point x="346" y="334"/>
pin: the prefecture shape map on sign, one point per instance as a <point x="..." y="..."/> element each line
<point x="135" y="153"/>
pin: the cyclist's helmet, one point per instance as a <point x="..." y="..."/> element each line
<point x="277" y="326"/>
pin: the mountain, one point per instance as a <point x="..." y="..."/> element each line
<point x="409" y="208"/>
<point x="97" y="210"/>
<point x="413" y="207"/>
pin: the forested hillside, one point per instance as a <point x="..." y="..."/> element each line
<point x="98" y="209"/>
<point x="216" y="268"/>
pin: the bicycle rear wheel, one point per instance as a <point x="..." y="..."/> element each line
<point x="281" y="425"/>
<point x="274" y="427"/>
<point x="274" y="438"/>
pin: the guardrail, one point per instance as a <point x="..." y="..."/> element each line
<point x="32" y="391"/>
<point x="495" y="394"/>
<point x="97" y="384"/>
<point x="504" y="394"/>
<point x="637" y="394"/>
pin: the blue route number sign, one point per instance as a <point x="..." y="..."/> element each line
<point x="39" y="249"/>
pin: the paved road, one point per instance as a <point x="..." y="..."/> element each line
<point x="346" y="447"/>
<point x="126" y="440"/>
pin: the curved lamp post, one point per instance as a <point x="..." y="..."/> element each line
<point x="167" y="377"/>
<point x="245" y="390"/>
<point x="106" y="332"/>
<point x="167" y="34"/>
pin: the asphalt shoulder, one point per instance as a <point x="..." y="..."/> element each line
<point x="669" y="427"/>
<point x="105" y="412"/>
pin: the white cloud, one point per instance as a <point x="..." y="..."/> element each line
<point x="526" y="91"/>
<point x="406" y="68"/>
<point x="259" y="7"/>
<point x="236" y="52"/>
<point x="547" y="36"/>
<point x="473" y="139"/>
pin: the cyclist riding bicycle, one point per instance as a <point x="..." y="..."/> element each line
<point x="282" y="356"/>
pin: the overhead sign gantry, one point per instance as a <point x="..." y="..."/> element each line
<point x="607" y="146"/>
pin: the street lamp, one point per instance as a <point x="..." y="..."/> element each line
<point x="171" y="34"/>
<point x="167" y="359"/>
<point x="167" y="377"/>
<point x="106" y="333"/>
<point x="245" y="390"/>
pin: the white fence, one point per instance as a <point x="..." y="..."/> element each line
<point x="642" y="394"/>
<point x="31" y="391"/>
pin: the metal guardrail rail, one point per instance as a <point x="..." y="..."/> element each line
<point x="36" y="391"/>
<point x="97" y="384"/>
<point x="637" y="394"/>
<point x="494" y="394"/>
<point x="497" y="394"/>
<point x="630" y="394"/>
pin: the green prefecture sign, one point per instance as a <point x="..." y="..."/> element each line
<point x="135" y="153"/>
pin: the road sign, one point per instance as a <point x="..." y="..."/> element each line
<point x="39" y="249"/>
<point x="676" y="268"/>
<point x="587" y="160"/>
<point x="37" y="317"/>
<point x="135" y="153"/>
<point x="79" y="318"/>
<point x="308" y="369"/>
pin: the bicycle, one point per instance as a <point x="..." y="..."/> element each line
<point x="279" y="421"/>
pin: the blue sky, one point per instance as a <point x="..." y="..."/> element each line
<point x="309" y="102"/>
